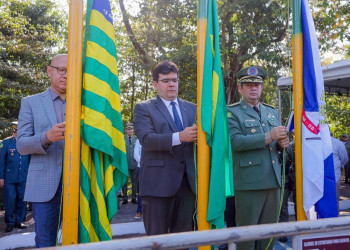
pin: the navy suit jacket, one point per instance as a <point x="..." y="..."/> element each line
<point x="163" y="165"/>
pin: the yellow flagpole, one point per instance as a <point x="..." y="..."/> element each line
<point x="203" y="148"/>
<point x="72" y="138"/>
<point x="298" y="94"/>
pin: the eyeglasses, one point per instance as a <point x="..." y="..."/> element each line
<point x="60" y="71"/>
<point x="166" y="80"/>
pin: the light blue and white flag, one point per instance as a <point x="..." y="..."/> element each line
<point x="319" y="186"/>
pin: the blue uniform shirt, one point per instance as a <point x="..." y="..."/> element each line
<point x="13" y="165"/>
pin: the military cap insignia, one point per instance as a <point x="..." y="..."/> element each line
<point x="252" y="71"/>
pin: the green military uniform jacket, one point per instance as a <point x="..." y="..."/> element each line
<point x="255" y="165"/>
<point x="132" y="163"/>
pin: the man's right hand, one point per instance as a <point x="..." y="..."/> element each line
<point x="189" y="134"/>
<point x="56" y="133"/>
<point x="278" y="133"/>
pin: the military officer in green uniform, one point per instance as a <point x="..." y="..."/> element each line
<point x="256" y="136"/>
<point x="130" y="140"/>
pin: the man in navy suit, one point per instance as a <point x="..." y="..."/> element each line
<point x="41" y="128"/>
<point x="165" y="128"/>
<point x="13" y="176"/>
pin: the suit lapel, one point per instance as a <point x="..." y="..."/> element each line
<point x="164" y="110"/>
<point x="184" y="113"/>
<point x="49" y="108"/>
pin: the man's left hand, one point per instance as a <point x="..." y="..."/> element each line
<point x="284" y="143"/>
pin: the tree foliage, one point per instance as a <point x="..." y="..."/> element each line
<point x="30" y="32"/>
<point x="148" y="31"/>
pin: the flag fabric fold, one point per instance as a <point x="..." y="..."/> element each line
<point x="319" y="187"/>
<point x="103" y="167"/>
<point x="214" y="123"/>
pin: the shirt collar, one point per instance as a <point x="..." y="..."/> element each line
<point x="54" y="95"/>
<point x="167" y="103"/>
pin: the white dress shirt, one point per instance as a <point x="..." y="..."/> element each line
<point x="176" y="136"/>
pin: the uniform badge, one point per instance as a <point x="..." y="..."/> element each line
<point x="253" y="130"/>
<point x="252" y="71"/>
<point x="228" y="114"/>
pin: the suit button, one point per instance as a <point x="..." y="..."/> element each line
<point x="263" y="124"/>
<point x="19" y="168"/>
<point x="251" y="125"/>
<point x="250" y="163"/>
<point x="273" y="161"/>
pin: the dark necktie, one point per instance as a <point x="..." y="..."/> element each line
<point x="176" y="117"/>
<point x="257" y="110"/>
<point x="130" y="140"/>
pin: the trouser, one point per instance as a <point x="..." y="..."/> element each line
<point x="284" y="216"/>
<point x="46" y="217"/>
<point x="133" y="179"/>
<point x="15" y="207"/>
<point x="139" y="199"/>
<point x="255" y="207"/>
<point x="174" y="214"/>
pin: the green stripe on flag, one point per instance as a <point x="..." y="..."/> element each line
<point x="297" y="17"/>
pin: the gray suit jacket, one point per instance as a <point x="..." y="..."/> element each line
<point x="162" y="165"/>
<point x="36" y="116"/>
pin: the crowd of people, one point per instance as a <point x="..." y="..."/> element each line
<point x="160" y="158"/>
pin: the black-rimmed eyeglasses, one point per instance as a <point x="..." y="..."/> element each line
<point x="166" y="80"/>
<point x="60" y="71"/>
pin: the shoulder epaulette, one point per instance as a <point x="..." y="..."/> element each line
<point x="268" y="105"/>
<point x="233" y="104"/>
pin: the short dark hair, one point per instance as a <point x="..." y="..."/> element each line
<point x="164" y="68"/>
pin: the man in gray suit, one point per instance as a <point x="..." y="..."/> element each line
<point x="41" y="128"/>
<point x="165" y="128"/>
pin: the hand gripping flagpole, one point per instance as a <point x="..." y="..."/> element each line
<point x="71" y="168"/>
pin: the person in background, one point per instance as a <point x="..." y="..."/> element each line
<point x="289" y="186"/>
<point x="256" y="138"/>
<point x="345" y="140"/>
<point x="13" y="176"/>
<point x="130" y="140"/>
<point x="340" y="158"/>
<point x="1" y="188"/>
<point x="137" y="156"/>
<point x="41" y="128"/>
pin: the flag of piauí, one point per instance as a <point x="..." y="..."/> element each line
<point x="319" y="187"/>
<point x="104" y="167"/>
<point x="214" y="123"/>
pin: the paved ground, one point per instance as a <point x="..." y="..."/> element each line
<point x="127" y="212"/>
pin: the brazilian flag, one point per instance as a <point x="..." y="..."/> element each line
<point x="214" y="123"/>
<point x="104" y="167"/>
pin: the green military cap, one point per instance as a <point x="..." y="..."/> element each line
<point x="129" y="125"/>
<point x="251" y="74"/>
<point x="14" y="126"/>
